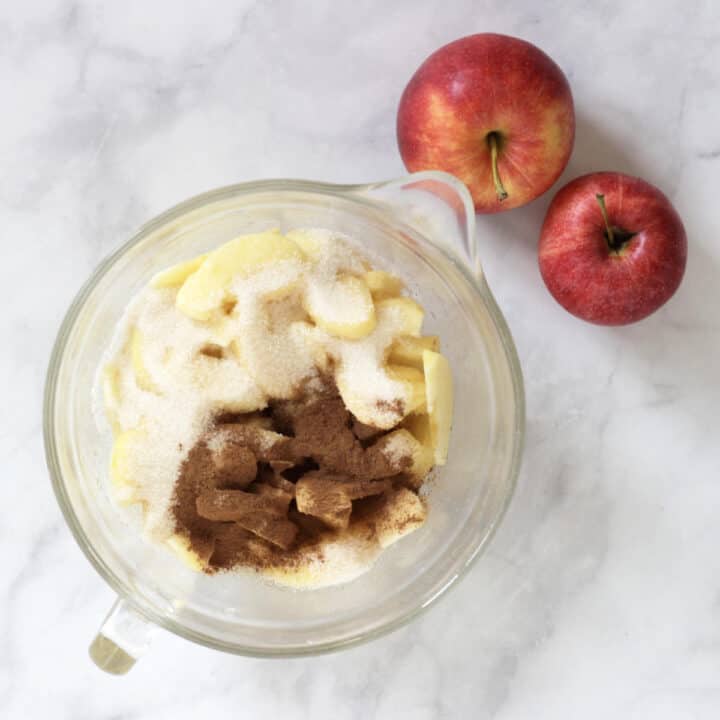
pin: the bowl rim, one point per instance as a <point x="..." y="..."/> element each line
<point x="124" y="591"/>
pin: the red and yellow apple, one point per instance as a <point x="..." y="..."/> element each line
<point x="493" y="110"/>
<point x="612" y="248"/>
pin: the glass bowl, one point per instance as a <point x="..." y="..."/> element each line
<point x="423" y="228"/>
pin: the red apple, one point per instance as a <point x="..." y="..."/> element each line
<point x="612" y="248"/>
<point x="493" y="110"/>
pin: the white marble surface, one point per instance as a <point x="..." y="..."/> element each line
<point x="600" y="596"/>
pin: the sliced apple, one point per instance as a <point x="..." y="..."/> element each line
<point x="439" y="393"/>
<point x="310" y="242"/>
<point x="355" y="402"/>
<point x="408" y="350"/>
<point x="142" y="375"/>
<point x="343" y="308"/>
<point x="308" y="335"/>
<point x="330" y="249"/>
<point x="382" y="284"/>
<point x="406" y="315"/>
<point x="122" y="466"/>
<point x="111" y="386"/>
<point x="402" y="442"/>
<point x="419" y="425"/>
<point x="236" y="350"/>
<point x="414" y="382"/>
<point x="181" y="547"/>
<point x="112" y="394"/>
<point x="222" y="330"/>
<point x="227" y="381"/>
<point x="274" y="360"/>
<point x="402" y="513"/>
<point x="206" y="291"/>
<point x="177" y="274"/>
<point x="363" y="405"/>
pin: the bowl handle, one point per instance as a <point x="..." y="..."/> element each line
<point x="438" y="206"/>
<point x="123" y="638"/>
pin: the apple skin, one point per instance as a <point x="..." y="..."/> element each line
<point x="482" y="84"/>
<point x="592" y="281"/>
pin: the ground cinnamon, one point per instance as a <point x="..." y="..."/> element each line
<point x="258" y="490"/>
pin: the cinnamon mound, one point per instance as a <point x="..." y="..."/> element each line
<point x="258" y="490"/>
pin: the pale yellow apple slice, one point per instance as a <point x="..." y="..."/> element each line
<point x="222" y="331"/>
<point x="402" y="513"/>
<point x="122" y="466"/>
<point x="181" y="547"/>
<point x="311" y="242"/>
<point x="112" y="394"/>
<point x="408" y="350"/>
<point x="274" y="355"/>
<point x="142" y="374"/>
<point x="225" y="377"/>
<point x="324" y="246"/>
<point x="363" y="405"/>
<point x="382" y="284"/>
<point x="402" y="442"/>
<point x="206" y="291"/>
<point x="381" y="382"/>
<point x="177" y="274"/>
<point x="343" y="307"/>
<point x="236" y="349"/>
<point x="414" y="381"/>
<point x="419" y="425"/>
<point x="312" y="337"/>
<point x="111" y="386"/>
<point x="439" y="393"/>
<point x="405" y="314"/>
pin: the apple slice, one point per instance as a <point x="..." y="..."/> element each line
<point x="402" y="442"/>
<point x="381" y="382"/>
<point x="405" y="313"/>
<point x="419" y="425"/>
<point x="328" y="248"/>
<point x="112" y="394"/>
<point x="311" y="242"/>
<point x="111" y="386"/>
<point x="177" y="274"/>
<point x="415" y="390"/>
<point x="223" y="330"/>
<point x="309" y="336"/>
<point x="402" y="513"/>
<point x="181" y="547"/>
<point x="236" y="349"/>
<point x="205" y="292"/>
<point x="142" y="374"/>
<point x="408" y="350"/>
<point x="122" y="467"/>
<point x="343" y="308"/>
<point x="439" y="393"/>
<point x="383" y="285"/>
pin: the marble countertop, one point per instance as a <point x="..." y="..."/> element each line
<point x="600" y="595"/>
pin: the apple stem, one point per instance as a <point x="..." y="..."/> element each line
<point x="492" y="140"/>
<point x="608" y="227"/>
<point x="616" y="237"/>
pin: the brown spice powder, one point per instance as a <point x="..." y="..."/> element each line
<point x="245" y="497"/>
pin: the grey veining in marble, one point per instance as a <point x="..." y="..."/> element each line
<point x="600" y="595"/>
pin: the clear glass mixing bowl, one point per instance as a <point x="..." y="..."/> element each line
<point x="421" y="226"/>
